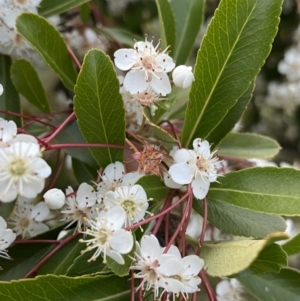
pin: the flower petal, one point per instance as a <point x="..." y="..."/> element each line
<point x="192" y="265"/>
<point x="164" y="63"/>
<point x="200" y="188"/>
<point x="184" y="155"/>
<point x="125" y="58"/>
<point x="122" y="241"/>
<point x="113" y="172"/>
<point x="150" y="247"/>
<point x="182" y="173"/>
<point x="135" y="82"/>
<point x="115" y="256"/>
<point x="202" y="147"/>
<point x="160" y="83"/>
<point x="86" y="195"/>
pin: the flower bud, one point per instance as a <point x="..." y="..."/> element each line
<point x="1" y="89"/>
<point x="54" y="198"/>
<point x="183" y="76"/>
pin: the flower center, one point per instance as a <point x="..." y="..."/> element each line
<point x="148" y="63"/>
<point x="130" y="208"/>
<point x="24" y="223"/>
<point x="202" y="163"/>
<point x="102" y="237"/>
<point x="17" y="167"/>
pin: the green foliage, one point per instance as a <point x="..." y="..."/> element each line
<point x="280" y="286"/>
<point x="9" y="100"/>
<point x="50" y="45"/>
<point x="154" y="187"/>
<point x="98" y="105"/>
<point x="27" y="82"/>
<point x="268" y="190"/>
<point x="54" y="7"/>
<point x="188" y="18"/>
<point x="292" y="246"/>
<point x="247" y="146"/>
<point x="240" y="29"/>
<point x="240" y="221"/>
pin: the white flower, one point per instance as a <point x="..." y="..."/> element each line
<point x="7" y="236"/>
<point x="197" y="166"/>
<point x="54" y="198"/>
<point x="8" y="130"/>
<point x="290" y="65"/>
<point x="27" y="220"/>
<point x="229" y="290"/>
<point x="155" y="267"/>
<point x="132" y="199"/>
<point x="22" y="171"/>
<point x="183" y="76"/>
<point x="81" y="207"/>
<point x="108" y="236"/>
<point x="148" y="68"/>
<point x="1" y="89"/>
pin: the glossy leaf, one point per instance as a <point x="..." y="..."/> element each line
<point x="120" y="269"/>
<point x="83" y="172"/>
<point x="9" y="100"/>
<point x="230" y="257"/>
<point x="270" y="260"/>
<point x="71" y="134"/>
<point x="237" y="42"/>
<point x="54" y="7"/>
<point x="268" y="190"/>
<point x="154" y="187"/>
<point x="50" y="45"/>
<point x="61" y="288"/>
<point x="27" y="82"/>
<point x="99" y="107"/>
<point x="280" y="286"/>
<point x="6" y="209"/>
<point x="232" y="117"/>
<point x="188" y="18"/>
<point x="292" y="246"/>
<point x="167" y="23"/>
<point x="247" y="146"/>
<point x="239" y="221"/>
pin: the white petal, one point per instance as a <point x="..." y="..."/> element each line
<point x="135" y="82"/>
<point x="116" y="216"/>
<point x="184" y="155"/>
<point x="25" y="138"/>
<point x="131" y="178"/>
<point x="192" y="285"/>
<point x="32" y="188"/>
<point x="223" y="288"/>
<point x="164" y="63"/>
<point x="171" y="285"/>
<point x="10" y="195"/>
<point x="160" y="83"/>
<point x="86" y="195"/>
<point x="40" y="212"/>
<point x="150" y="247"/>
<point x="1" y="89"/>
<point x="145" y="48"/>
<point x="126" y="58"/>
<point x="41" y="168"/>
<point x="201" y="147"/>
<point x="115" y="256"/>
<point x="122" y="241"/>
<point x="7" y="238"/>
<point x="169" y="182"/>
<point x="200" y="188"/>
<point x="182" y="173"/>
<point x="169" y="265"/>
<point x="113" y="172"/>
<point x="3" y="225"/>
<point x="8" y="129"/>
<point x="38" y="228"/>
<point x="192" y="265"/>
<point x="173" y="250"/>
<point x="139" y="192"/>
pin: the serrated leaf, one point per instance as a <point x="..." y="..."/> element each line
<point x="230" y="257"/>
<point x="239" y="221"/>
<point x="60" y="262"/>
<point x="61" y="288"/>
<point x="247" y="146"/>
<point x="154" y="187"/>
<point x="268" y="190"/>
<point x="54" y="7"/>
<point x="292" y="246"/>
<point x="27" y="82"/>
<point x="281" y="286"/>
<point x="99" y="107"/>
<point x="9" y="100"/>
<point x="270" y="260"/>
<point x="233" y="115"/>
<point x="50" y="45"/>
<point x="188" y="18"/>
<point x="167" y="23"/>
<point x="71" y="134"/>
<point x="237" y="42"/>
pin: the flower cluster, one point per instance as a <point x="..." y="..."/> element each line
<point x="166" y="271"/>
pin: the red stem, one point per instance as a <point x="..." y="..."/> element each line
<point x="201" y="240"/>
<point x="36" y="241"/>
<point x="74" y="57"/>
<point x="84" y="145"/>
<point x="209" y="290"/>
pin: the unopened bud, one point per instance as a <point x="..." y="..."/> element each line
<point x="183" y="76"/>
<point x="1" y="89"/>
<point x="54" y="198"/>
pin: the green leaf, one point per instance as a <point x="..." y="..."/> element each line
<point x="82" y="172"/>
<point x="6" y="209"/>
<point x="81" y="266"/>
<point x="71" y="134"/>
<point x="154" y="187"/>
<point x="99" y="107"/>
<point x="120" y="269"/>
<point x="270" y="260"/>
<point x="167" y="23"/>
<point x="60" y="262"/>
<point x="9" y="100"/>
<point x="62" y="288"/>
<point x="230" y="257"/>
<point x="239" y="221"/>
<point x="54" y="7"/>
<point x="292" y="246"/>
<point x="50" y="45"/>
<point x="247" y="146"/>
<point x="282" y="286"/>
<point x="232" y="117"/>
<point x="268" y="190"/>
<point x="237" y="42"/>
<point x="27" y="82"/>
<point x="188" y="17"/>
